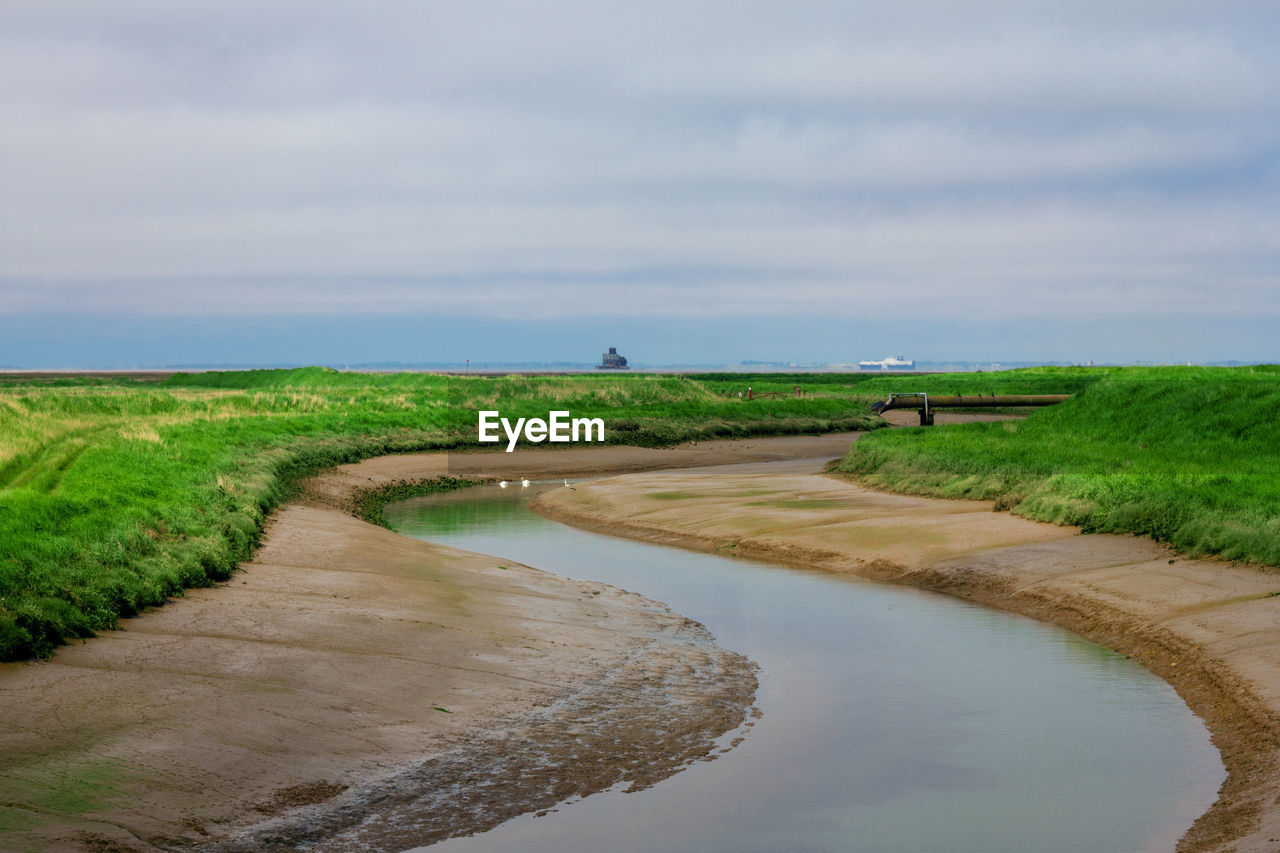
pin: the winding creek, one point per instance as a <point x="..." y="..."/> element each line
<point x="893" y="720"/>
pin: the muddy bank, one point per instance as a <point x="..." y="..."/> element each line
<point x="1210" y="628"/>
<point x="353" y="689"/>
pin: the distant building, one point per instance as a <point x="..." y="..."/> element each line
<point x="612" y="361"/>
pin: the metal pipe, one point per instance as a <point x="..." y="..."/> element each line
<point x="966" y="401"/>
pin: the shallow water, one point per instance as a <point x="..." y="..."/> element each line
<point x="894" y="720"/>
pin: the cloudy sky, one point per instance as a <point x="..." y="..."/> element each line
<point x="801" y="181"/>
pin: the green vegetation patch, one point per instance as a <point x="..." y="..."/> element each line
<point x="59" y="787"/>
<point x="369" y="503"/>
<point x="807" y="503"/>
<point x="1188" y="456"/>
<point x="117" y="493"/>
<point x="17" y="819"/>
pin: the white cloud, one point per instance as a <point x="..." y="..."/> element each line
<point x="509" y="159"/>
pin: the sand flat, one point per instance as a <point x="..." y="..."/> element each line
<point x="347" y="668"/>
<point x="323" y="664"/>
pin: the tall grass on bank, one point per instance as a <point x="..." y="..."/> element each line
<point x="1188" y="456"/>
<point x="117" y="493"/>
<point x="878" y="384"/>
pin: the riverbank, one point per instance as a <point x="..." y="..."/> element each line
<point x="1183" y="455"/>
<point x="1208" y="627"/>
<point x="347" y="666"/>
<point x="117" y="493"/>
<point x="347" y="670"/>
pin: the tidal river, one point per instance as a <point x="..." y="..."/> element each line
<point x="893" y="720"/>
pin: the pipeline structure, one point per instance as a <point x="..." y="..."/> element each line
<point x="926" y="403"/>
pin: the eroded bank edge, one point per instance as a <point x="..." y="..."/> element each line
<point x="1242" y="727"/>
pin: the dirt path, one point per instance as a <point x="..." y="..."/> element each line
<point x="1211" y="628"/>
<point x="349" y="671"/>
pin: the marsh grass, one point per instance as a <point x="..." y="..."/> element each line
<point x="370" y="503"/>
<point x="1188" y="456"/>
<point x="116" y="494"/>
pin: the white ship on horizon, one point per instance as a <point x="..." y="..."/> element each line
<point x="889" y="363"/>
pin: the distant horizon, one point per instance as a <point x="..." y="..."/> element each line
<point x="112" y="340"/>
<point x="482" y="368"/>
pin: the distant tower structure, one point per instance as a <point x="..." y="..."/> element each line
<point x="612" y="361"/>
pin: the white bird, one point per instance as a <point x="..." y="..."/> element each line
<point x="502" y="485"/>
<point x="567" y="486"/>
<point x="524" y="483"/>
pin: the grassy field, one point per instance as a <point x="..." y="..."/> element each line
<point x="876" y="385"/>
<point x="1189" y="456"/>
<point x="117" y="493"/>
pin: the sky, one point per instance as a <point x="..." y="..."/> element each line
<point x="322" y="182"/>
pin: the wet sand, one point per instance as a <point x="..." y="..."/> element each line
<point x="349" y="671"/>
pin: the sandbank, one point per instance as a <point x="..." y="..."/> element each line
<point x="348" y="672"/>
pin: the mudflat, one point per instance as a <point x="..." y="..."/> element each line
<point x="1209" y="627"/>
<point x="349" y="672"/>
<point x="354" y="689"/>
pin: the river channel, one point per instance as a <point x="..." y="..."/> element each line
<point x="893" y="720"/>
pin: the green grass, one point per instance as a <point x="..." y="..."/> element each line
<point x="37" y="792"/>
<point x="116" y="494"/>
<point x="370" y="503"/>
<point x="877" y="385"/>
<point x="1188" y="456"/>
